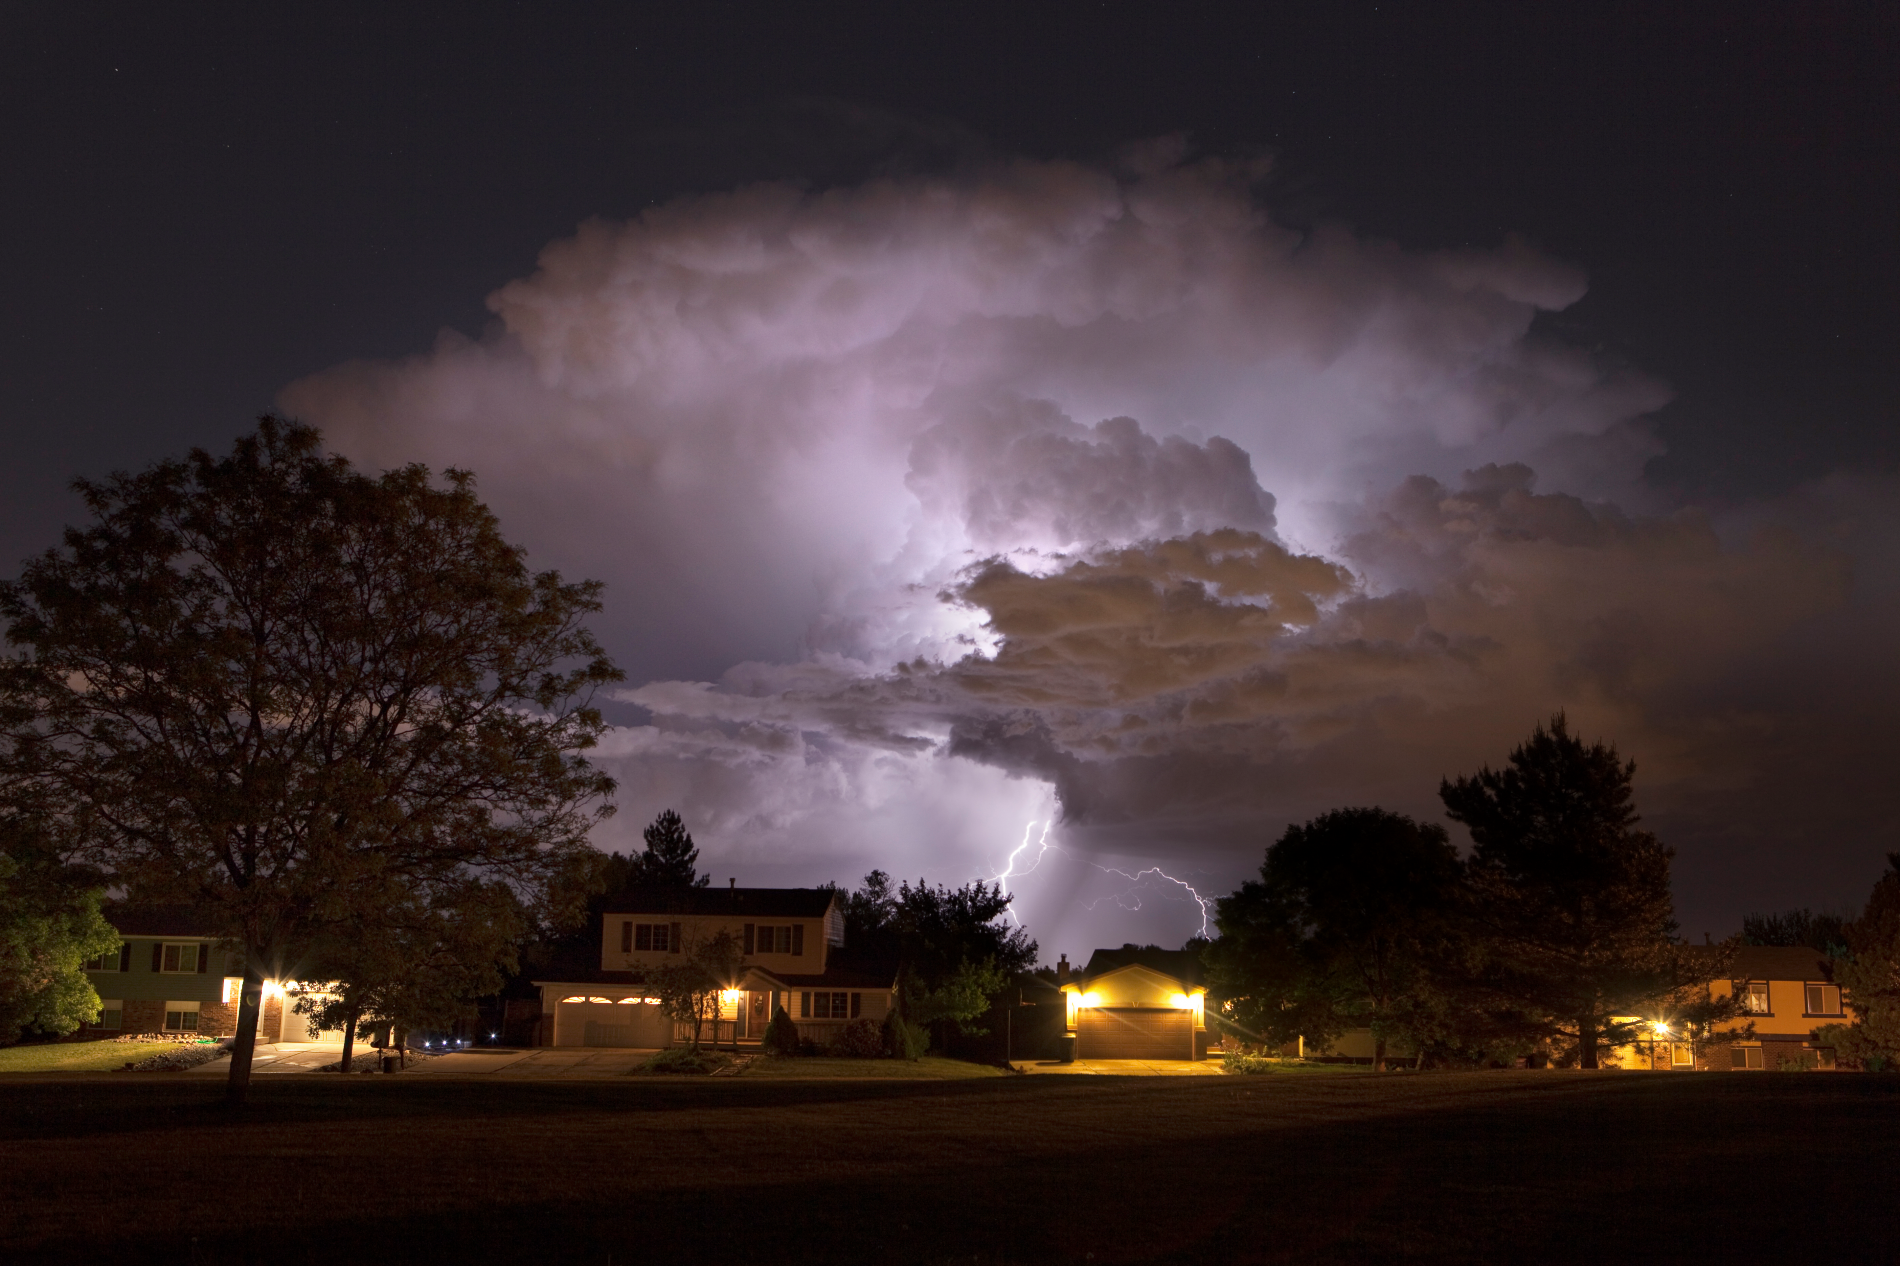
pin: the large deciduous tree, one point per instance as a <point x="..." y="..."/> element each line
<point x="1572" y="898"/>
<point x="255" y="680"/>
<point x="954" y="948"/>
<point x="1351" y="914"/>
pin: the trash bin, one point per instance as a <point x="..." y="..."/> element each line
<point x="389" y="1063"/>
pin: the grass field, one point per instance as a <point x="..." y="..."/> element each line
<point x="1508" y="1167"/>
<point x="80" y="1057"/>
<point x="929" y="1068"/>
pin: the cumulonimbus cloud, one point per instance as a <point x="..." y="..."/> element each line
<point x="930" y="508"/>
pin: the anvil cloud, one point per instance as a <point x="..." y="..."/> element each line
<point x="930" y="508"/>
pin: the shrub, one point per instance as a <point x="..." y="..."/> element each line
<point x="781" y="1035"/>
<point x="1239" y="1061"/>
<point x="683" y="1059"/>
<point x="904" y="1039"/>
<point x="860" y="1039"/>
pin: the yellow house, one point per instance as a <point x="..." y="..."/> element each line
<point x="793" y="956"/>
<point x="1133" y="1003"/>
<point x="1787" y="994"/>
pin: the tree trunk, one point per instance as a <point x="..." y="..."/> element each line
<point x="1378" y="1054"/>
<point x="244" y="1046"/>
<point x="1587" y="1043"/>
<point x="349" y="1035"/>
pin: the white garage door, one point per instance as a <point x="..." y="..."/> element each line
<point x="636" y="1024"/>
<point x="1134" y="1033"/>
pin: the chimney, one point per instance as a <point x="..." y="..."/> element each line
<point x="1062" y="970"/>
<point x="732" y="883"/>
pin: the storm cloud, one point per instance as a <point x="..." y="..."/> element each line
<point x="934" y="512"/>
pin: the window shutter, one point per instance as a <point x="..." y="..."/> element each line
<point x="748" y="938"/>
<point x="204" y="959"/>
<point x="158" y="955"/>
<point x="798" y="939"/>
<point x="804" y="1005"/>
<point x="675" y="945"/>
<point x="125" y="956"/>
<point x="626" y="937"/>
<point x="857" y="1001"/>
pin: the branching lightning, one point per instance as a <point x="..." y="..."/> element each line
<point x="1009" y="870"/>
<point x="1120" y="898"/>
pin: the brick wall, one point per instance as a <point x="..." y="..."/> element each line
<point x="143" y="1015"/>
<point x="217" y="1019"/>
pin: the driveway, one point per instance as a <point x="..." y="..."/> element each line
<point x="1128" y="1067"/>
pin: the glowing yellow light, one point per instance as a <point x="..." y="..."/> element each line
<point x="1661" y="1027"/>
<point x="1091" y="999"/>
<point x="729" y="995"/>
<point x="1179" y="1000"/>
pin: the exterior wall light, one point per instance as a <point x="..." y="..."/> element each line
<point x="1180" y="1000"/>
<point x="1091" y="999"/>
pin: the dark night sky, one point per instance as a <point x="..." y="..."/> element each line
<point x="202" y="207"/>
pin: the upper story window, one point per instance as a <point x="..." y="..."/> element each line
<point x="649" y="938"/>
<point x="766" y="938"/>
<point x="1824" y="1000"/>
<point x="1755" y="998"/>
<point x="180" y="957"/>
<point x="118" y="960"/>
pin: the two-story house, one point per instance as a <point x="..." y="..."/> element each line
<point x="170" y="974"/>
<point x="1786" y="993"/>
<point x="793" y="956"/>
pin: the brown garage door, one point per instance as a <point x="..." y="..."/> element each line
<point x="1134" y="1033"/>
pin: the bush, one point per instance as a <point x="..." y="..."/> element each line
<point x="860" y="1039"/>
<point x="683" y="1059"/>
<point x="904" y="1039"/>
<point x="781" y="1035"/>
<point x="1242" y="1062"/>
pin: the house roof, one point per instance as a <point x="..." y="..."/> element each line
<point x="176" y="920"/>
<point x="1181" y="965"/>
<point x="754" y="903"/>
<point x="1780" y="962"/>
<point x="836" y="976"/>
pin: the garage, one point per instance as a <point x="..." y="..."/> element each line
<point x="596" y="1021"/>
<point x="1134" y="1033"/>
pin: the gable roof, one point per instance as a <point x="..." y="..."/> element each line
<point x="751" y="903"/>
<point x="1181" y="965"/>
<point x="1780" y="962"/>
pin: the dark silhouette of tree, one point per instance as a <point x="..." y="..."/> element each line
<point x="263" y="683"/>
<point x="1870" y="975"/>
<point x="1804" y="928"/>
<point x="1351" y="914"/>
<point x="956" y="951"/>
<point x="669" y="859"/>
<point x="1572" y="899"/>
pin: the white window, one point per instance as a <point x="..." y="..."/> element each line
<point x="1744" y="1057"/>
<point x="105" y="962"/>
<point x="1755" y="998"/>
<point x="181" y="1017"/>
<point x="1681" y="1055"/>
<point x="652" y="937"/>
<point x="1824" y="1000"/>
<point x="177" y="958"/>
<point x="111" y="1014"/>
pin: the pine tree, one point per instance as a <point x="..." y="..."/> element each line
<point x="669" y="860"/>
<point x="1870" y="975"/>
<point x="1572" y="898"/>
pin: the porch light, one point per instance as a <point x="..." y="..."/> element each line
<point x="1091" y="999"/>
<point x="1179" y="1000"/>
<point x="1661" y="1027"/>
<point x="729" y="995"/>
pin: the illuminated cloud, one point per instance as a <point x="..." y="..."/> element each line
<point x="933" y="508"/>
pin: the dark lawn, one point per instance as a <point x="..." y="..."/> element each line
<point x="1533" y="1167"/>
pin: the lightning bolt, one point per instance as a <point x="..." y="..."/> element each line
<point x="1009" y="870"/>
<point x="1136" y="878"/>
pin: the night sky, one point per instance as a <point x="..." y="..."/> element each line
<point x="1468" y="363"/>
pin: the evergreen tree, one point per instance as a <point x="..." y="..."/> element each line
<point x="1572" y="898"/>
<point x="1870" y="975"/>
<point x="669" y="860"/>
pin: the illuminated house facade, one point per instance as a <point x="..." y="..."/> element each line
<point x="170" y="975"/>
<point x="1787" y="993"/>
<point x="794" y="956"/>
<point x="1134" y="1003"/>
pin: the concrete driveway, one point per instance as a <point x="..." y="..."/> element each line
<point x="1128" y="1067"/>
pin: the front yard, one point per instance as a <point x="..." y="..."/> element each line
<point x="929" y="1068"/>
<point x="81" y="1057"/>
